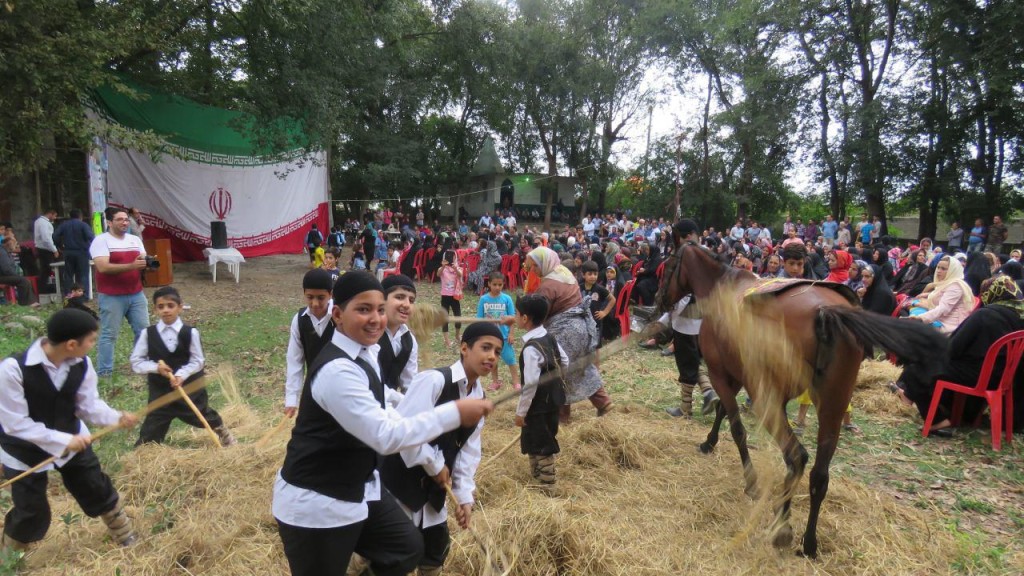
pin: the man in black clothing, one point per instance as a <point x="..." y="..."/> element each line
<point x="73" y="237"/>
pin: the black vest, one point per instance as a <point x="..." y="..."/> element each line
<point x="391" y="366"/>
<point x="412" y="486"/>
<point x="46" y="405"/>
<point x="551" y="392"/>
<point x="312" y="343"/>
<point x="321" y="455"/>
<point x="158" y="351"/>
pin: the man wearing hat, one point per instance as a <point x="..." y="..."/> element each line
<point x="685" y="320"/>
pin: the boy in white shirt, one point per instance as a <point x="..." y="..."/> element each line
<point x="418" y="476"/>
<point x="311" y="329"/>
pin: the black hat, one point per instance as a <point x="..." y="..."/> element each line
<point x="317" y="279"/>
<point x="685" y="227"/>
<point x="70" y="324"/>
<point x="478" y="330"/>
<point x="352" y="284"/>
<point x="398" y="281"/>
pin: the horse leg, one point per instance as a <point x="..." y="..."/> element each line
<point x="831" y="407"/>
<point x="739" y="435"/>
<point x="727" y="397"/>
<point x="795" y="457"/>
<point x="709" y="444"/>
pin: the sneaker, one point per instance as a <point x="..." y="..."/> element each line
<point x="710" y="406"/>
<point x="494" y="387"/>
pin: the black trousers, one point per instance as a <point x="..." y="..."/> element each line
<point x="387" y="539"/>
<point x="76" y="269"/>
<point x="687" y="355"/>
<point x="436" y="543"/>
<point x="154" y="427"/>
<point x="45" y="259"/>
<point x="540" y="434"/>
<point x="454" y="308"/>
<point x="29" y="519"/>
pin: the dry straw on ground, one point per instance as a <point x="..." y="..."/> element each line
<point x="634" y="497"/>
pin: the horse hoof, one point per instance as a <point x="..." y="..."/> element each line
<point x="783" y="537"/>
<point x="705" y="448"/>
<point x="752" y="491"/>
<point x="810" y="550"/>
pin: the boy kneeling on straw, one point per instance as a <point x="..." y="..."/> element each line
<point x="43" y="392"/>
<point x="418" y="476"/>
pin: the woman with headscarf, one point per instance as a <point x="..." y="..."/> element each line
<point x="879" y="257"/>
<point x="572" y="325"/>
<point x="647" y="275"/>
<point x="947" y="301"/>
<point x="490" y="261"/>
<point x="839" y="262"/>
<point x="875" y="294"/>
<point x="912" y="277"/>
<point x="369" y="239"/>
<point x="976" y="271"/>
<point x="1002" y="313"/>
<point x="856" y="279"/>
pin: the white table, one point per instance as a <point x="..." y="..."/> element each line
<point x="233" y="258"/>
<point x="57" y="266"/>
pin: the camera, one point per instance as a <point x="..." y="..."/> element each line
<point x="152" y="263"/>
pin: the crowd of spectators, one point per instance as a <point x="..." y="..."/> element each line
<point x="922" y="282"/>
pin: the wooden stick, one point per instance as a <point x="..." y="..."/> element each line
<point x="500" y="452"/>
<point x="160" y="402"/>
<point x="476" y="537"/>
<point x="195" y="410"/>
<point x="272" y="432"/>
<point x="612" y="348"/>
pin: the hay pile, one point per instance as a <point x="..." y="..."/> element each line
<point x="634" y="497"/>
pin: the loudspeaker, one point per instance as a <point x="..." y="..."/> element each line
<point x="219" y="234"/>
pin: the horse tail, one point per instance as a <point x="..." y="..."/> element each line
<point x="908" y="340"/>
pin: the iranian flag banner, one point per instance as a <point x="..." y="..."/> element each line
<point x="208" y="172"/>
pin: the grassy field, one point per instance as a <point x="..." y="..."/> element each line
<point x="976" y="495"/>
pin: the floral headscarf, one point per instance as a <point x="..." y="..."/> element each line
<point x="1001" y="290"/>
<point x="549" y="266"/>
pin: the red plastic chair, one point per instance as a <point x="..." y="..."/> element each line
<point x="660" y="271"/>
<point x="900" y="299"/>
<point x="1000" y="400"/>
<point x="622" y="307"/>
<point x="511" y="271"/>
<point x="397" y="269"/>
<point x="633" y="270"/>
<point x="419" y="263"/>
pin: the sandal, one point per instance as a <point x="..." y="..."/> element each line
<point x="494" y="387"/>
<point x="851" y="428"/>
<point x="940" y="432"/>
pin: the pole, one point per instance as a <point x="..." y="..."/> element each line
<point x="679" y="179"/>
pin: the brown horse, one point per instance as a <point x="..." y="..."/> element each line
<point x="827" y="332"/>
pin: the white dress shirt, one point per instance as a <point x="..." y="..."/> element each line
<point x="14" y="408"/>
<point x="141" y="363"/>
<point x="422" y="396"/>
<point x="533" y="360"/>
<point x="412" y="366"/>
<point x="343" y="390"/>
<point x="295" y="358"/>
<point x="690" y="326"/>
<point x="42" y="233"/>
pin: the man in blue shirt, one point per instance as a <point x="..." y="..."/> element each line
<point x="73" y="238"/>
<point x="829" y="228"/>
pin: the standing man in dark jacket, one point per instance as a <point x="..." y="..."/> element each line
<point x="73" y="237"/>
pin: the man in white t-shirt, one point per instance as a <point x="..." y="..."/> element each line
<point x="119" y="258"/>
<point x="510" y="221"/>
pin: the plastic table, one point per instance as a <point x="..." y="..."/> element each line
<point x="233" y="258"/>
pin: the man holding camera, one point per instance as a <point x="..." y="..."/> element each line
<point x="119" y="258"/>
